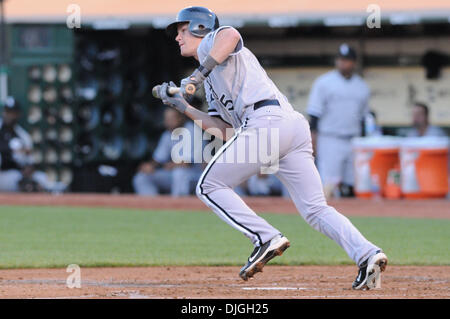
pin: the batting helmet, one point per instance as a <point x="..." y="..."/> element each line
<point x="201" y="21"/>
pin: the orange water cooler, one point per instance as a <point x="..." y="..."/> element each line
<point x="374" y="158"/>
<point x="424" y="167"/>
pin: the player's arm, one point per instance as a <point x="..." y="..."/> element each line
<point x="313" y="124"/>
<point x="225" y="43"/>
<point x="365" y="112"/>
<point x="315" y="109"/>
<point x="213" y="125"/>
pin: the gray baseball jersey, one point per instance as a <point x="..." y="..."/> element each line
<point x="232" y="88"/>
<point x="235" y="85"/>
<point x="340" y="103"/>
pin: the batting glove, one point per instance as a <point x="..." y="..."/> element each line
<point x="176" y="101"/>
<point x="199" y="75"/>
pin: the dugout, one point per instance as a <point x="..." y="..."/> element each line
<point x="86" y="91"/>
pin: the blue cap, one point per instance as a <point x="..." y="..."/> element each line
<point x="11" y="104"/>
<point x="347" y="52"/>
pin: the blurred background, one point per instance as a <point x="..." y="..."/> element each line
<point x="85" y="93"/>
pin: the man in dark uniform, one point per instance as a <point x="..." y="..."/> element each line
<point x="15" y="147"/>
<point x="16" y="163"/>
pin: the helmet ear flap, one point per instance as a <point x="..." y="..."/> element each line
<point x="216" y="23"/>
<point x="201" y="21"/>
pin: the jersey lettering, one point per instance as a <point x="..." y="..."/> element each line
<point x="228" y="104"/>
<point x="225" y="103"/>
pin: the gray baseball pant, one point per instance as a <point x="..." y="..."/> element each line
<point x="296" y="170"/>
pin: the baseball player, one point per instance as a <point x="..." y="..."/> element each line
<point x="337" y="106"/>
<point x="241" y="95"/>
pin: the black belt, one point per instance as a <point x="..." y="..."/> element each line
<point x="343" y="137"/>
<point x="262" y="103"/>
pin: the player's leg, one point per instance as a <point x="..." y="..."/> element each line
<point x="299" y="174"/>
<point x="348" y="176"/>
<point x="331" y="157"/>
<point x="277" y="187"/>
<point x="285" y="192"/>
<point x="215" y="188"/>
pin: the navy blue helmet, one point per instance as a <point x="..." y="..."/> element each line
<point x="201" y="21"/>
<point x="11" y="104"/>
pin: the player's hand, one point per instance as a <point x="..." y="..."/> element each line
<point x="199" y="75"/>
<point x="146" y="168"/>
<point x="196" y="79"/>
<point x="176" y="101"/>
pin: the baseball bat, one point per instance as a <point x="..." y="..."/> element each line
<point x="190" y="89"/>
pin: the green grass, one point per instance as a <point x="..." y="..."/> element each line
<point x="59" y="236"/>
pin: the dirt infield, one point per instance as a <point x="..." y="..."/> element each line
<point x="436" y="208"/>
<point x="223" y="282"/>
<point x="303" y="282"/>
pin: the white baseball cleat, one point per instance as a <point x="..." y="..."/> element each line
<point x="369" y="275"/>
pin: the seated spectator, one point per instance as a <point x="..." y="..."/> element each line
<point x="421" y="124"/>
<point x="17" y="172"/>
<point x="161" y="174"/>
<point x="266" y="185"/>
